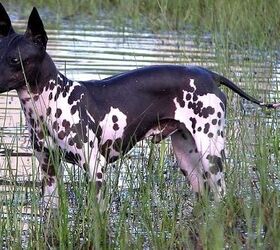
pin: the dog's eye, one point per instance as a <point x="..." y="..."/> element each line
<point x="14" y="61"/>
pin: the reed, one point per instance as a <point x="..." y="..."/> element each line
<point x="241" y="23"/>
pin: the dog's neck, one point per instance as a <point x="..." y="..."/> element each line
<point x="47" y="78"/>
<point x="37" y="96"/>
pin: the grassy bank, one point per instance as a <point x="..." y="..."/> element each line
<point x="238" y="23"/>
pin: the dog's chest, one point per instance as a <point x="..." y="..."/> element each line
<point x="60" y="116"/>
<point x="50" y="116"/>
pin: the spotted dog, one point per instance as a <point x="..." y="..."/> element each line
<point x="93" y="122"/>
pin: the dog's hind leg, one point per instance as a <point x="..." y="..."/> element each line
<point x="212" y="156"/>
<point x="188" y="159"/>
<point x="203" y="170"/>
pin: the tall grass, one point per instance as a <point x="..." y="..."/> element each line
<point x="149" y="205"/>
<point x="239" y="23"/>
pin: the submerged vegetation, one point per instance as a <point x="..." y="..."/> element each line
<point x="149" y="205"/>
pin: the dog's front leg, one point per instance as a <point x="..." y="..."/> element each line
<point x="49" y="165"/>
<point x="96" y="166"/>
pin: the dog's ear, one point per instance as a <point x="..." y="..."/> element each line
<point x="35" y="29"/>
<point x="5" y="23"/>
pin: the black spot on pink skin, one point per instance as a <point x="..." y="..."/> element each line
<point x="189" y="88"/>
<point x="205" y="112"/>
<point x="75" y="94"/>
<point x="181" y="102"/>
<point x="58" y="113"/>
<point x="188" y="96"/>
<point x="115" y="119"/>
<point x="65" y="123"/>
<point x="50" y="96"/>
<point x="73" y="109"/>
<point x="193" y="120"/>
<point x="35" y="98"/>
<point x="214" y="121"/>
<point x="55" y="126"/>
<point x="79" y="144"/>
<point x="52" y="84"/>
<point x="98" y="185"/>
<point x="195" y="98"/>
<point x="210" y="135"/>
<point x="57" y="93"/>
<point x="105" y="148"/>
<point x="71" y="142"/>
<point x="116" y="127"/>
<point x="219" y="115"/>
<point x="99" y="175"/>
<point x="206" y="128"/>
<point x="71" y="157"/>
<point x="49" y="110"/>
<point x="91" y="144"/>
<point x="61" y="135"/>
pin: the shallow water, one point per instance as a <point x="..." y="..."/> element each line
<point x="96" y="50"/>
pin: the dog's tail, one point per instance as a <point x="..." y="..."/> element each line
<point x="226" y="82"/>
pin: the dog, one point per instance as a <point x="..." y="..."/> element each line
<point x="92" y="123"/>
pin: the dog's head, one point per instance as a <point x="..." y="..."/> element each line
<point x="21" y="56"/>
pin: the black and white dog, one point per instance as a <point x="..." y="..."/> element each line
<point x="94" y="122"/>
